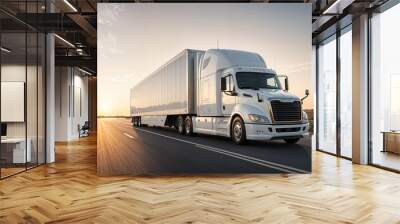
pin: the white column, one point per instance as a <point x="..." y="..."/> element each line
<point x="360" y="90"/>
<point x="50" y="98"/>
<point x="63" y="101"/>
<point x="50" y="92"/>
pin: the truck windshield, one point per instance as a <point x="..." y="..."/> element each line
<point x="257" y="80"/>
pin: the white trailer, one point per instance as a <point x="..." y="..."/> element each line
<point x="219" y="92"/>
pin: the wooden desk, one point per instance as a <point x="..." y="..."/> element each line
<point x="16" y="147"/>
<point x="391" y="141"/>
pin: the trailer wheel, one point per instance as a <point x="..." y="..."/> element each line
<point x="238" y="131"/>
<point x="188" y="126"/>
<point x="180" y="125"/>
<point x="135" y="121"/>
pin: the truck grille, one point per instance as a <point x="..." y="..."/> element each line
<point x="287" y="130"/>
<point x="286" y="111"/>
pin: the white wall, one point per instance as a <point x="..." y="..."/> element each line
<point x="11" y="73"/>
<point x="17" y="73"/>
<point x="80" y="109"/>
<point x="62" y="82"/>
<point x="71" y="103"/>
<point x="33" y="126"/>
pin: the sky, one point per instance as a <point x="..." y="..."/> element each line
<point x="135" y="39"/>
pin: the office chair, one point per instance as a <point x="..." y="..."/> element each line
<point x="84" y="130"/>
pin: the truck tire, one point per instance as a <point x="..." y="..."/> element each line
<point x="180" y="125"/>
<point x="291" y="140"/>
<point x="188" y="126"/>
<point x="238" y="131"/>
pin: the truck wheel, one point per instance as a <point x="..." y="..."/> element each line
<point x="238" y="131"/>
<point x="180" y="125"/>
<point x="291" y="140"/>
<point x="188" y="126"/>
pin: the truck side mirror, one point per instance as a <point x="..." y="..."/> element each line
<point x="287" y="83"/>
<point x="307" y="92"/>
<point x="223" y="84"/>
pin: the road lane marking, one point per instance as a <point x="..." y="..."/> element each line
<point x="254" y="160"/>
<point x="128" y="135"/>
<point x="245" y="159"/>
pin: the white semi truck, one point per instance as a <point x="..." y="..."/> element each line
<point x="219" y="92"/>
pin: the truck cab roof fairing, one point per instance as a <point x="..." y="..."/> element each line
<point x="217" y="59"/>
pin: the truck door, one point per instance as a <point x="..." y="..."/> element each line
<point x="228" y="94"/>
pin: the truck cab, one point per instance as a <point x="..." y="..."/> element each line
<point x="239" y="97"/>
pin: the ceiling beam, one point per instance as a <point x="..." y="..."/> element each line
<point x="81" y="61"/>
<point x="84" y="24"/>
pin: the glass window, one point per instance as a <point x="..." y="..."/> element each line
<point x="257" y="80"/>
<point x="385" y="89"/>
<point x="346" y="93"/>
<point x="271" y="83"/>
<point x="327" y="95"/>
<point x="15" y="149"/>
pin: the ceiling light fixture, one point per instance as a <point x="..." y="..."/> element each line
<point x="84" y="71"/>
<point x="64" y="40"/>
<point x="5" y="50"/>
<point x="70" y="5"/>
<point x="79" y="51"/>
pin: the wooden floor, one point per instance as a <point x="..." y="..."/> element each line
<point x="10" y="171"/>
<point x="387" y="159"/>
<point x="69" y="191"/>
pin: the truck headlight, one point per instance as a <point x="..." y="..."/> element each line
<point x="258" y="118"/>
<point x="305" y="116"/>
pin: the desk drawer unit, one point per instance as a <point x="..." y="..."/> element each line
<point x="391" y="142"/>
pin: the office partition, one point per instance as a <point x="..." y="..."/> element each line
<point x="22" y="77"/>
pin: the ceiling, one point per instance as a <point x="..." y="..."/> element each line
<point x="75" y="21"/>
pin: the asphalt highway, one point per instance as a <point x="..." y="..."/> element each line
<point x="124" y="149"/>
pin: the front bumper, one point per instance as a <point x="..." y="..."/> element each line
<point x="281" y="131"/>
